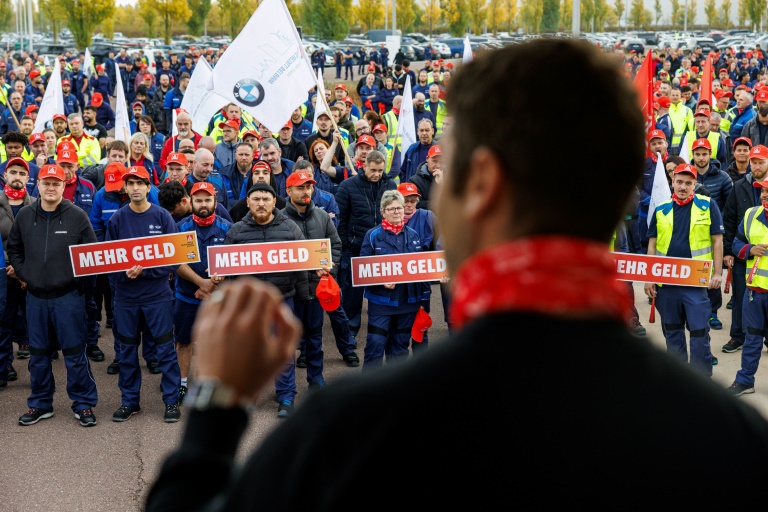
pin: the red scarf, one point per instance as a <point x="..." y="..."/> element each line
<point x="183" y="181"/>
<point x="655" y="159"/>
<point x="396" y="111"/>
<point x="359" y="164"/>
<point x="531" y="275"/>
<point x="204" y="222"/>
<point x="391" y="227"/>
<point x="679" y="202"/>
<point x="14" y="194"/>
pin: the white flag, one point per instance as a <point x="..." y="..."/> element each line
<point x="685" y="152"/>
<point x="87" y="68"/>
<point x="199" y="100"/>
<point x="320" y="104"/>
<point x="660" y="190"/>
<point x="47" y="62"/>
<point x="266" y="70"/>
<point x="406" y="126"/>
<point x="467" y="50"/>
<point x="53" y="100"/>
<point x="122" y="119"/>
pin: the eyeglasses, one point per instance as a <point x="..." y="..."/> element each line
<point x="394" y="210"/>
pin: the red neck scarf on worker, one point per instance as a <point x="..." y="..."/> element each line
<point x="392" y="228"/>
<point x="204" y="222"/>
<point x="530" y="275"/>
<point x="70" y="187"/>
<point x="682" y="202"/>
<point x="14" y="194"/>
<point x="655" y="159"/>
<point x="396" y="111"/>
<point x="183" y="181"/>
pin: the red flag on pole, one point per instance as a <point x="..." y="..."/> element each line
<point x="706" y="82"/>
<point x="644" y="86"/>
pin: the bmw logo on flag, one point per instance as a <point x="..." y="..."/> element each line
<point x="249" y="92"/>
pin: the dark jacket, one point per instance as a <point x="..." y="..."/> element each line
<point x="734" y="173"/>
<point x="7" y="218"/>
<point x="741" y="198"/>
<point x="412" y="160"/>
<point x="423" y="180"/>
<point x="752" y="131"/>
<point x="281" y="229"/>
<point x="359" y="208"/>
<point x="206" y="237"/>
<point x="316" y="224"/>
<point x="717" y="182"/>
<point x="38" y="247"/>
<point x="293" y="150"/>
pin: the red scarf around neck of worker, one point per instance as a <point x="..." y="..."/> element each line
<point x="204" y="222"/>
<point x="388" y="226"/>
<point x="558" y="276"/>
<point x="682" y="202"/>
<point x="14" y="194"/>
<point x="183" y="181"/>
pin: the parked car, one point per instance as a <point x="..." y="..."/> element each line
<point x="634" y="43"/>
<point x="455" y="47"/>
<point x="440" y="50"/>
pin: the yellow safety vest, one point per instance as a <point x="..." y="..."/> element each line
<point x="757" y="233"/>
<point x="679" y="115"/>
<point x="390" y="119"/>
<point x="89" y="150"/>
<point x="699" y="236"/>
<point x="725" y="123"/>
<point x="442" y="111"/>
<point x="431" y="78"/>
<point x="712" y="137"/>
<point x="613" y="241"/>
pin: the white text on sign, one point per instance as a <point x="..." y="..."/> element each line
<point x="657" y="269"/>
<point x="120" y="255"/>
<point x="275" y="256"/>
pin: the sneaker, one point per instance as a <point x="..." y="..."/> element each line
<point x="285" y="409"/>
<point x="732" y="346"/>
<point x="182" y="393"/>
<point x="714" y="361"/>
<point x="108" y="323"/>
<point x="172" y="413"/>
<point x="715" y="323"/>
<point x="34" y="415"/>
<point x="636" y="328"/>
<point x="23" y="352"/>
<point x="316" y="385"/>
<point x="301" y="362"/>
<point x="738" y="389"/>
<point x="125" y="412"/>
<point x="354" y="341"/>
<point x="730" y="304"/>
<point x="12" y="373"/>
<point x="113" y="368"/>
<point x="154" y="368"/>
<point x="86" y="417"/>
<point x="94" y="353"/>
<point x="352" y="360"/>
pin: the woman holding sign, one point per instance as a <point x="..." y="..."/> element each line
<point x="392" y="307"/>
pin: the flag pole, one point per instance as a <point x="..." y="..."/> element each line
<point x="336" y="127"/>
<point x="10" y="108"/>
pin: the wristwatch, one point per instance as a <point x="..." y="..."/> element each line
<point x="208" y="394"/>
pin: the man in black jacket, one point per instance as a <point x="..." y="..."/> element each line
<point x="504" y="237"/>
<point x="38" y="250"/>
<point x="743" y="196"/>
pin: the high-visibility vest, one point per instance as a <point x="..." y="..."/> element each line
<point x="442" y="111"/>
<point x="613" y="241"/>
<point x="88" y="151"/>
<point x="699" y="236"/>
<point x="390" y="119"/>
<point x="757" y="233"/>
<point x="712" y="137"/>
<point x="679" y="115"/>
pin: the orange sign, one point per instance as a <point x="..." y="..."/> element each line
<point x="399" y="268"/>
<point x="662" y="270"/>
<point x="121" y="255"/>
<point x="237" y="259"/>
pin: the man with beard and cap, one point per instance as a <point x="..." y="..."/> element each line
<point x="192" y="282"/>
<point x="416" y="154"/>
<point x="260" y="172"/>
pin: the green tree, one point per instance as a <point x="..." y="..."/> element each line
<point x="742" y="13"/>
<point x="477" y="15"/>
<point x="406" y="16"/>
<point x="511" y="10"/>
<point x="530" y="15"/>
<point x="108" y="27"/>
<point x="550" y="15"/>
<point x="710" y="11"/>
<point x="636" y="14"/>
<point x="603" y="14"/>
<point x="456" y="15"/>
<point x="53" y="13"/>
<point x="587" y="15"/>
<point x="619" y="7"/>
<point x="369" y="13"/>
<point x="755" y="9"/>
<point x="327" y="19"/>
<point x="566" y="13"/>
<point x="83" y="16"/>
<point x="495" y="15"/>
<point x="657" y="12"/>
<point x="200" y="10"/>
<point x="676" y="13"/>
<point x="6" y="16"/>
<point x="692" y="11"/>
<point x="234" y="15"/>
<point x="169" y="12"/>
<point x="432" y="14"/>
<point x="294" y="8"/>
<point x="725" y="14"/>
<point x="146" y="11"/>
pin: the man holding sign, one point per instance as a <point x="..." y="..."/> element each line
<point x="687" y="226"/>
<point x="143" y="296"/>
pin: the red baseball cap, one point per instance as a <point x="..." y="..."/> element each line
<point x="367" y="140"/>
<point x="232" y="123"/>
<point x="380" y="128"/>
<point x="97" y="99"/>
<point x="261" y="164"/>
<point x="421" y="323"/>
<point x="65" y="82"/>
<point x="745" y="140"/>
<point x="664" y="101"/>
<point x="720" y="93"/>
<point x="59" y="116"/>
<point x="52" y="171"/>
<point x="298" y="178"/>
<point x="341" y="86"/>
<point x="177" y="158"/>
<point x="328" y="293"/>
<point x="348" y="99"/>
<point x="762" y="95"/>
<point x="36" y="137"/>
<point x="656" y="134"/>
<point x="31" y="108"/>
<point x="76" y="61"/>
<point x="704" y="100"/>
<point x="202" y="186"/>
<point x="701" y="143"/>
<point x="759" y="151"/>
<point x="17" y="160"/>
<point x="147" y="76"/>
<point x="686" y="169"/>
<point x="138" y="172"/>
<point x="251" y="133"/>
<point x="434" y="151"/>
<point x="408" y="189"/>
<point x="113" y="176"/>
<point x="66" y="155"/>
<point x="761" y="184"/>
<point x="727" y="82"/>
<point x="289" y="124"/>
<point x="704" y="113"/>
<point x="34" y="73"/>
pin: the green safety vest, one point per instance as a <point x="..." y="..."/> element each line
<point x="442" y="111"/>
<point x="390" y="119"/>
<point x="679" y="115"/>
<point x="699" y="236"/>
<point x="757" y="233"/>
<point x="712" y="137"/>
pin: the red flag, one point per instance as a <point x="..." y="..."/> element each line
<point x="644" y="86"/>
<point x="706" y="82"/>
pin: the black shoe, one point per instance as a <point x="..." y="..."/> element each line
<point x="172" y="413"/>
<point x="738" y="389"/>
<point x="182" y="393"/>
<point x="285" y="409"/>
<point x="34" y="415"/>
<point x="125" y="412"/>
<point x="316" y="385"/>
<point x="301" y="362"/>
<point x="23" y="352"/>
<point x="732" y="346"/>
<point x="108" y="323"/>
<point x="730" y="304"/>
<point x="352" y="360"/>
<point x="113" y="368"/>
<point x="94" y="353"/>
<point x="3" y="384"/>
<point x="154" y="368"/>
<point x="86" y="417"/>
<point x="12" y="373"/>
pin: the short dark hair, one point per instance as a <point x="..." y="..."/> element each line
<point x="520" y="146"/>
<point x="141" y="89"/>
<point x="184" y="75"/>
<point x="118" y="145"/>
<point x="398" y="67"/>
<point x="763" y="109"/>
<point x="13" y="136"/>
<point x="170" y="194"/>
<point x="406" y="63"/>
